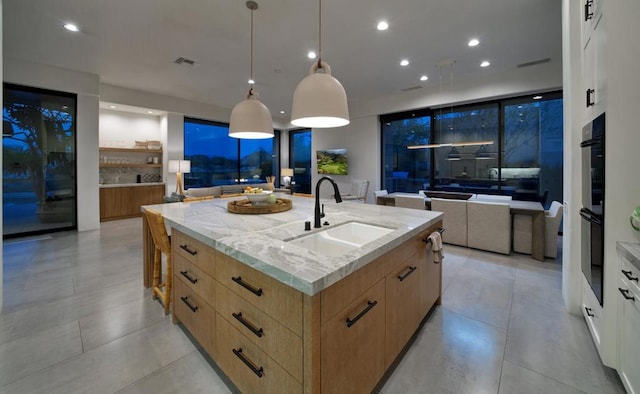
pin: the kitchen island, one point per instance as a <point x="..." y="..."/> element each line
<point x="280" y="317"/>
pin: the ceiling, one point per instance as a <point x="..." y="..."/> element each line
<point x="133" y="43"/>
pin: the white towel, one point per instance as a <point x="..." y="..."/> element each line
<point x="436" y="246"/>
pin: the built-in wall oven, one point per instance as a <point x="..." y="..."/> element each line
<point x="592" y="211"/>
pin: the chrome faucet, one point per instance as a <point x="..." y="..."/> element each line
<point x="336" y="195"/>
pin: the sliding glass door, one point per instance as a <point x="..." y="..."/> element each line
<point x="39" y="161"/>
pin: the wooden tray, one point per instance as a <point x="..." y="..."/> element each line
<point x="246" y="207"/>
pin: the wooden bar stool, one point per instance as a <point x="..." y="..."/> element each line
<point x="162" y="244"/>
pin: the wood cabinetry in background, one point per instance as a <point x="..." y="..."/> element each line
<point x="125" y="202"/>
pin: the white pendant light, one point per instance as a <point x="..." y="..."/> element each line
<point x="250" y="119"/>
<point x="319" y="100"/>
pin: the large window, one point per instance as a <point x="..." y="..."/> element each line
<point x="511" y="147"/>
<point x="406" y="169"/>
<point x="217" y="159"/>
<point x="469" y="154"/>
<point x="300" y="159"/>
<point x="39" y="161"/>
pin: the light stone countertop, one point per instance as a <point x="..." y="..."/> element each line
<point x="631" y="251"/>
<point x="259" y="240"/>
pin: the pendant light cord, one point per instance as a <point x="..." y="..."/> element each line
<point x="319" y="34"/>
<point x="251" y="58"/>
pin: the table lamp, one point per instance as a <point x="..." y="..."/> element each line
<point x="179" y="167"/>
<point x="286" y="174"/>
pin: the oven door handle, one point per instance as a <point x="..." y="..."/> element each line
<point x="590" y="142"/>
<point x="589" y="216"/>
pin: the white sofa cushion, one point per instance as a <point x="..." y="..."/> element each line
<point x="489" y="226"/>
<point x="454" y="221"/>
<point x="214" y="191"/>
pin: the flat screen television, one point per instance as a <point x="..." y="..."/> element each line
<point x="332" y="161"/>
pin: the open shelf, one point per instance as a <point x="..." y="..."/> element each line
<point x="105" y="149"/>
<point x="130" y="165"/>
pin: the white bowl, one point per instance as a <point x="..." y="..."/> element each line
<point x="258" y="198"/>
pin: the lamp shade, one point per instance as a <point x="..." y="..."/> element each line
<point x="251" y="119"/>
<point x="482" y="153"/>
<point x="453" y="154"/>
<point x="319" y="100"/>
<point x="286" y="172"/>
<point x="180" y="166"/>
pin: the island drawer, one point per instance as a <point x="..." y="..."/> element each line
<point x="195" y="314"/>
<point x="273" y="338"/>
<point x="281" y="302"/>
<point x="340" y="294"/>
<point x="251" y="369"/>
<point x="194" y="278"/>
<point x="196" y="252"/>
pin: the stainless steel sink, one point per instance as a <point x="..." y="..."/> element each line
<point x="341" y="239"/>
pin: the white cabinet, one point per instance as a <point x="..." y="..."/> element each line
<point x="594" y="72"/>
<point x="629" y="326"/>
<point x="593" y="313"/>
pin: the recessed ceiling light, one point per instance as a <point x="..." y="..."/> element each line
<point x="473" y="42"/>
<point x="382" y="25"/>
<point x="150" y="112"/>
<point x="424" y="78"/>
<point x="251" y="81"/>
<point x="71" y="27"/>
<point x="537" y="97"/>
<point x="112" y="106"/>
<point x="404" y="62"/>
<point x="485" y="63"/>
<point x="281" y="112"/>
<point x="311" y="55"/>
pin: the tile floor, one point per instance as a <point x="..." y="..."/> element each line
<point x="76" y="320"/>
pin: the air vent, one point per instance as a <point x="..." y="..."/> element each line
<point x="184" y="60"/>
<point x="412" y="88"/>
<point x="535" y="62"/>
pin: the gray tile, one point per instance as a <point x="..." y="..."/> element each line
<point x="452" y="354"/>
<point x="516" y="379"/>
<point x="451" y="264"/>
<point x="19" y="297"/>
<point x="44" y="315"/>
<point x="108" y="324"/>
<point x="24" y="356"/>
<point x="110" y="367"/>
<point x="559" y="346"/>
<point x="478" y="293"/>
<point x="190" y="374"/>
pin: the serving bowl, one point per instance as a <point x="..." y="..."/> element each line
<point x="258" y="198"/>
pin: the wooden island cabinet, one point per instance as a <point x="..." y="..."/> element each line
<point x="268" y="337"/>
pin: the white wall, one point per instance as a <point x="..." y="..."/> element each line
<point x="174" y="124"/>
<point x="361" y="139"/>
<point x="87" y="88"/>
<point x="127" y="126"/>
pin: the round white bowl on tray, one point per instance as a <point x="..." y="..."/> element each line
<point x="258" y="198"/>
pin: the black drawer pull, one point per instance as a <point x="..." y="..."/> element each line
<point x="587" y="10"/>
<point x="590" y="101"/>
<point x="625" y="294"/>
<point x="238" y="280"/>
<point x="403" y="277"/>
<point x="248" y="363"/>
<point x="370" y="305"/>
<point x="188" y="250"/>
<point x="238" y="316"/>
<point x="186" y="301"/>
<point x="189" y="277"/>
<point x="588" y="310"/>
<point x="629" y="275"/>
